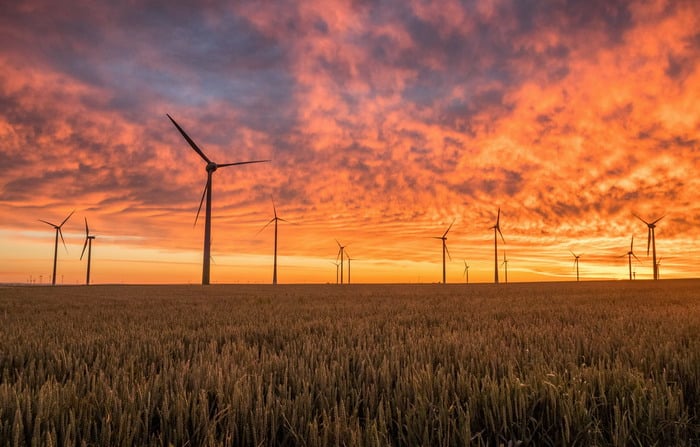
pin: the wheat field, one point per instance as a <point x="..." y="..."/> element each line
<point x="594" y="363"/>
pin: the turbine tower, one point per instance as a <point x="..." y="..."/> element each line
<point x="496" y="229"/>
<point x="211" y="167"/>
<point x="55" y="246"/>
<point x="629" y="255"/>
<point x="340" y="255"/>
<point x="337" y="266"/>
<point x="575" y="262"/>
<point x="505" y="265"/>
<point x="88" y="245"/>
<point x="651" y="239"/>
<point x="275" y="220"/>
<point x="466" y="272"/>
<point x="443" y="238"/>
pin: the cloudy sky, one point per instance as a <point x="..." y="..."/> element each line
<point x="385" y="121"/>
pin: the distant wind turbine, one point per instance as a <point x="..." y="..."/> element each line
<point x="55" y="247"/>
<point x="629" y="255"/>
<point x="576" y="257"/>
<point x="337" y="267"/>
<point x="505" y="265"/>
<point x="496" y="229"/>
<point x="443" y="238"/>
<point x="88" y="244"/>
<point x="340" y="255"/>
<point x="651" y="239"/>
<point x="347" y="256"/>
<point x="466" y="272"/>
<point x="211" y="167"/>
<point x="658" y="264"/>
<point x="275" y="220"/>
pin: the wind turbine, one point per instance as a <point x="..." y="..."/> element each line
<point x="88" y="245"/>
<point x="505" y="265"/>
<point x="496" y="228"/>
<point x="443" y="238"/>
<point x="575" y="262"/>
<point x="275" y="220"/>
<point x="55" y="247"/>
<point x="347" y="255"/>
<point x="466" y="272"/>
<point x="651" y="239"/>
<point x="337" y="266"/>
<point x="629" y="255"/>
<point x="658" y="263"/>
<point x="211" y="167"/>
<point x="341" y="255"/>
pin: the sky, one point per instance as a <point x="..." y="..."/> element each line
<point x="385" y="122"/>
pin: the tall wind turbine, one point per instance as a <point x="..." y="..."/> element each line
<point x="211" y="167"/>
<point x="341" y="255"/>
<point x="651" y="239"/>
<point x="575" y="262"/>
<point x="629" y="255"/>
<point x="55" y="246"/>
<point x="443" y="238"/>
<point x="505" y="265"/>
<point x="88" y="244"/>
<point x="496" y="229"/>
<point x="275" y="220"/>
<point x="466" y="272"/>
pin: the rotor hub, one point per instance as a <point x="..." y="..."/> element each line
<point x="211" y="166"/>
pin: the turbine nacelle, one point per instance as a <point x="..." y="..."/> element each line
<point x="211" y="166"/>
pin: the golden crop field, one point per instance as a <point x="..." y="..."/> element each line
<point x="591" y="363"/>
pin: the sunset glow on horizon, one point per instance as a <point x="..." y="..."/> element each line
<point x="385" y="122"/>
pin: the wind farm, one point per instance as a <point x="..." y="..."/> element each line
<point x="379" y="130"/>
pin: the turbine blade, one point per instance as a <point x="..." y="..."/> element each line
<point x="265" y="226"/>
<point x="498" y="218"/>
<point x="87" y="230"/>
<point x="635" y="257"/>
<point x="632" y="244"/>
<point x="640" y="218"/>
<point x="658" y="219"/>
<point x="274" y="208"/>
<point x="448" y="252"/>
<point x="648" y="240"/>
<point x="189" y="140"/>
<point x="339" y="246"/>
<point x="200" y="204"/>
<point x="499" y="232"/>
<point x="242" y="163"/>
<point x="448" y="228"/>
<point x="48" y="223"/>
<point x="84" y="247"/>
<point x="60" y="233"/>
<point x="66" y="219"/>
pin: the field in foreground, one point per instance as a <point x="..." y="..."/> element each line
<point x="613" y="363"/>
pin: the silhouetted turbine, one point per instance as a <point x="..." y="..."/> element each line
<point x="337" y="266"/>
<point x="55" y="247"/>
<point x="651" y="239"/>
<point x="88" y="245"/>
<point x="347" y="256"/>
<point x="275" y="220"/>
<point x="575" y="262"/>
<point x="466" y="272"/>
<point x="443" y="238"/>
<point x="629" y="255"/>
<point x="341" y="255"/>
<point x="211" y="167"/>
<point x="505" y="265"/>
<point x="496" y="228"/>
<point x="658" y="263"/>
